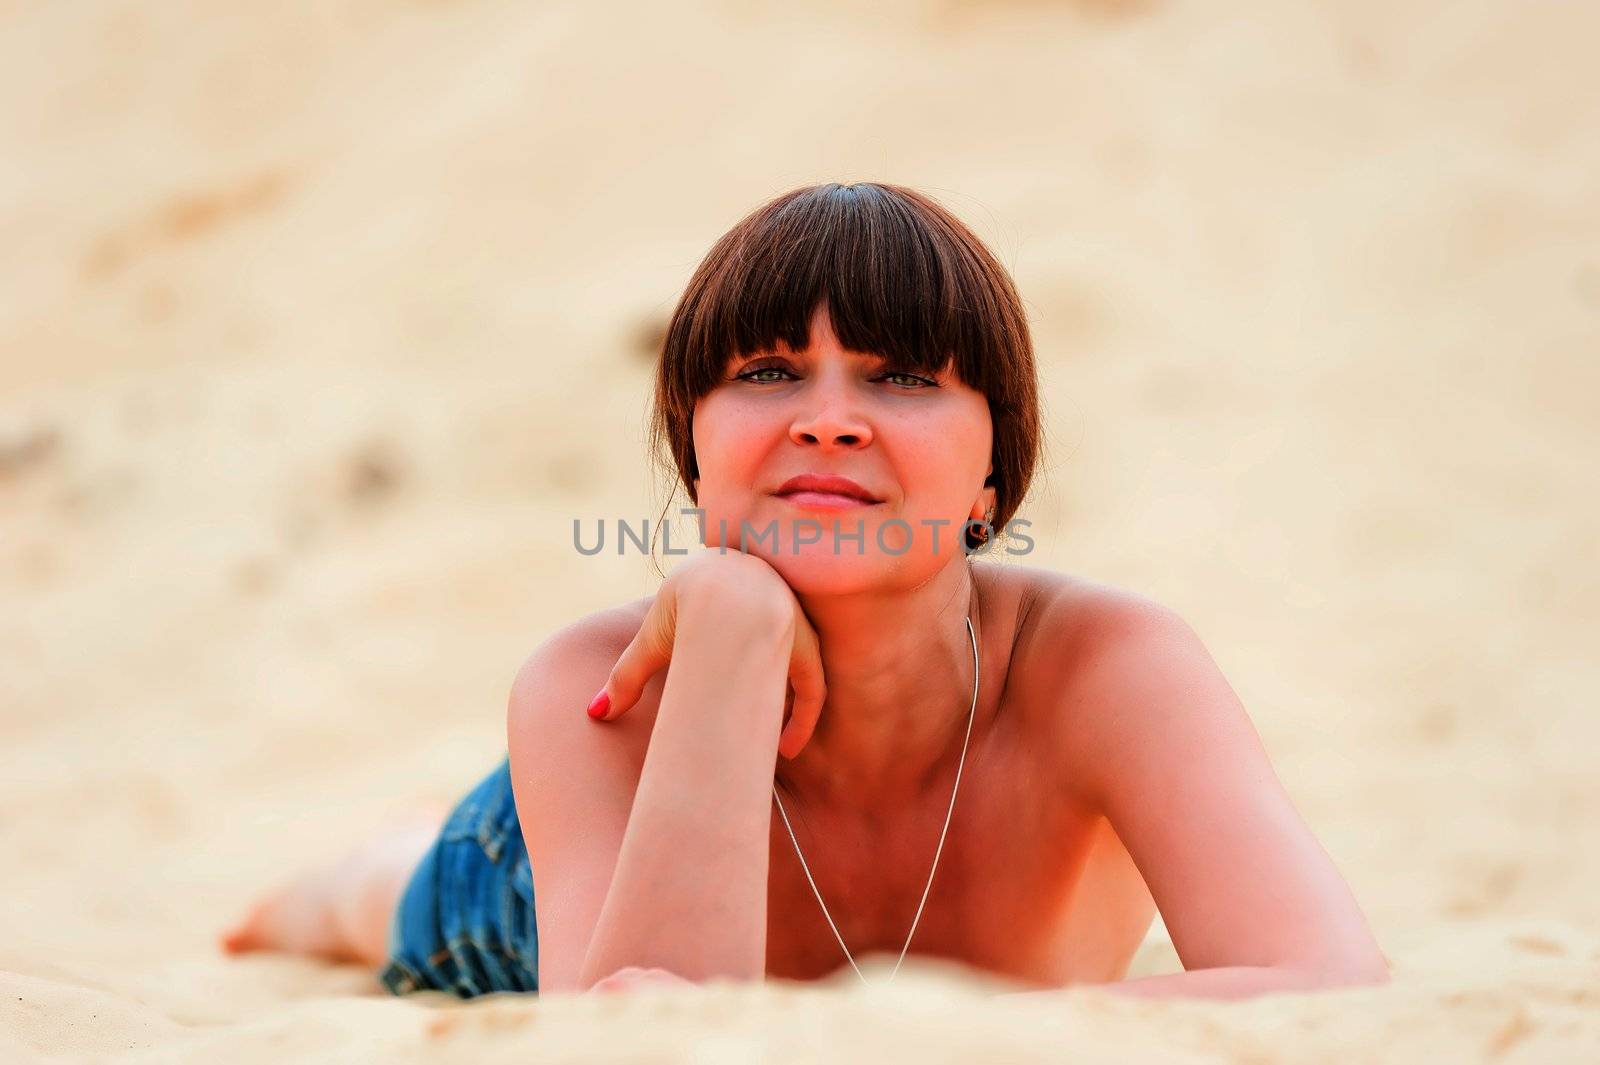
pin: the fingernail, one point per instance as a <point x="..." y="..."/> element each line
<point x="601" y="704"/>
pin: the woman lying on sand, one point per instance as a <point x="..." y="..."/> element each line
<point x="1000" y="765"/>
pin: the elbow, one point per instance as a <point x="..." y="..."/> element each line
<point x="1333" y="966"/>
<point x="1372" y="975"/>
<point x="1347" y="973"/>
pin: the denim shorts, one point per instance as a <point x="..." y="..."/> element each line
<point x="465" y="922"/>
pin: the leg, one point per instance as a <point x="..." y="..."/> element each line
<point x="340" y="911"/>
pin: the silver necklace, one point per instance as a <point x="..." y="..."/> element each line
<point x="971" y="714"/>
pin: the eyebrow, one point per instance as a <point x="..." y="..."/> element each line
<point x="740" y="360"/>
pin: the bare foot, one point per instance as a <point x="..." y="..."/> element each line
<point x="340" y="911"/>
<point x="299" y="917"/>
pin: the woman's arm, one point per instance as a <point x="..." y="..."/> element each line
<point x="1226" y="982"/>
<point x="689" y="893"/>
<point x="1166" y="751"/>
<point x="1243" y="981"/>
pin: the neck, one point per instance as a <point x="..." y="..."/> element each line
<point x="898" y="666"/>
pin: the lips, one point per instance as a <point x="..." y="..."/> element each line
<point x="819" y="485"/>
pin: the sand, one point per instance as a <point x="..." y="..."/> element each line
<point x="320" y="324"/>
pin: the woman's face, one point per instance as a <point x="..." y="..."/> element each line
<point x="918" y="445"/>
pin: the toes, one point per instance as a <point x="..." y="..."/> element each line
<point x="240" y="939"/>
<point x="248" y="933"/>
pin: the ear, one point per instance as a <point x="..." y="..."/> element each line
<point x="983" y="507"/>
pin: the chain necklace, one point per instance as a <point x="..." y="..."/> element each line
<point x="971" y="714"/>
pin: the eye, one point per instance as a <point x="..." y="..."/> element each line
<point x="916" y="381"/>
<point x="900" y="378"/>
<point x="754" y="375"/>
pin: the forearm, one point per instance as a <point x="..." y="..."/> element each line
<point x="1226" y="982"/>
<point x="689" y="894"/>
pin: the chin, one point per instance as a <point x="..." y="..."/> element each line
<point x="832" y="565"/>
<point x="816" y="571"/>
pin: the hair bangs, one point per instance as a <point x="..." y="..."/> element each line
<point x="895" y="283"/>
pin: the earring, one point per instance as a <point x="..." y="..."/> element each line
<point x="982" y="532"/>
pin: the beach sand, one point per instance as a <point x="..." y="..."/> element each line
<point x="319" y="325"/>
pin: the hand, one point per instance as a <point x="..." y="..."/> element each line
<point x="633" y="976"/>
<point x="736" y="588"/>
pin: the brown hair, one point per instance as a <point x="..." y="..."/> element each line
<point x="901" y="277"/>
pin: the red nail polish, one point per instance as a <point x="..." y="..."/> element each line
<point x="601" y="704"/>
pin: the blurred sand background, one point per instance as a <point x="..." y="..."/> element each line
<point x="319" y="323"/>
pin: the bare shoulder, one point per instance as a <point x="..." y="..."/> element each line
<point x="555" y="682"/>
<point x="1061" y="614"/>
<point x="1082" y="651"/>
<point x="602" y="634"/>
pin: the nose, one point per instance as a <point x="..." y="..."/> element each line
<point x="830" y="417"/>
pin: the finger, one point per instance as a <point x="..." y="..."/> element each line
<point x="803" y="720"/>
<point x="810" y="692"/>
<point x="636" y="976"/>
<point x="645" y="656"/>
<point x="619" y="979"/>
<point x="664" y="977"/>
<point x="615" y="982"/>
